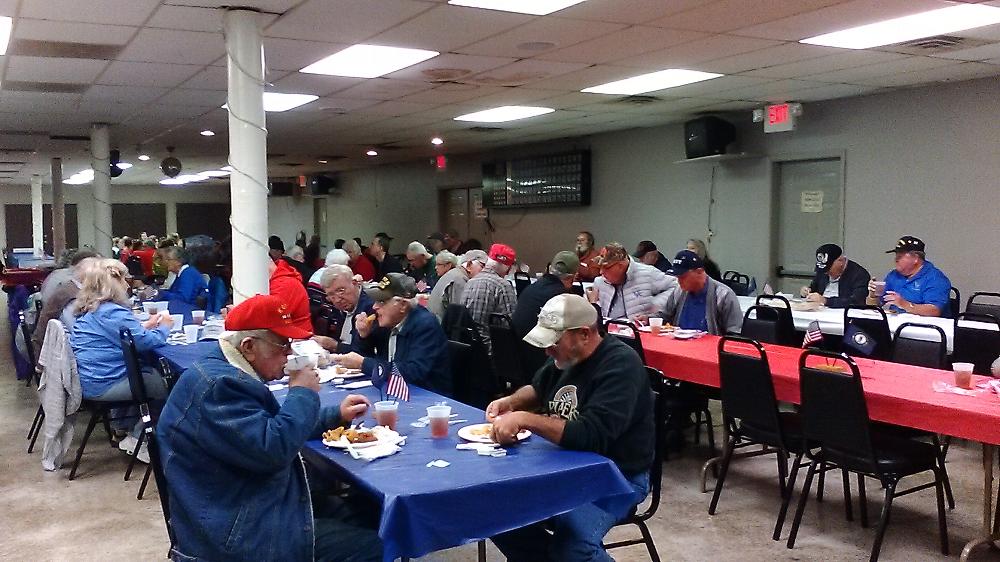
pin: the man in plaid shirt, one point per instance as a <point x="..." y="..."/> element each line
<point x="488" y="292"/>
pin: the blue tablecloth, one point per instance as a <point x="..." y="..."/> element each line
<point x="181" y="357"/>
<point x="427" y="509"/>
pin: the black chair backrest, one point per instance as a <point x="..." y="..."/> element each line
<point x="920" y="352"/>
<point x="833" y="410"/>
<point x="761" y="323"/>
<point x="506" y="352"/>
<point x="457" y="322"/>
<point x="628" y="333"/>
<point x="747" y="390"/>
<point x="977" y="345"/>
<point x="577" y="289"/>
<point x="984" y="303"/>
<point x="132" y="368"/>
<point x="29" y="346"/>
<point x="738" y="282"/>
<point x="786" y="323"/>
<point x="659" y="385"/>
<point x="168" y="374"/>
<point x="153" y="448"/>
<point x="876" y="334"/>
<point x="954" y="302"/>
<point x="460" y="353"/>
<point x="521" y="281"/>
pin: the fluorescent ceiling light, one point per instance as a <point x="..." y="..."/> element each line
<point x="908" y="28"/>
<point x="173" y="181"/>
<point x="372" y="153"/>
<point x="504" y="113"/>
<point x="533" y="7"/>
<point x="215" y="173"/>
<point x="276" y="102"/>
<point x="368" y="61"/>
<point x="81" y="177"/>
<point x="6" y="23"/>
<point x="661" y="80"/>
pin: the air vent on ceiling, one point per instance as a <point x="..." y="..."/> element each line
<point x="635" y="100"/>
<point x="33" y="48"/>
<point x="937" y="44"/>
<point x="81" y="138"/>
<point x="481" y="129"/>
<point x="45" y="87"/>
<point x="445" y="74"/>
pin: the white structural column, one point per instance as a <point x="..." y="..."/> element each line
<point x="100" y="162"/>
<point x="58" y="209"/>
<point x="247" y="153"/>
<point x="172" y="217"/>
<point x="37" y="230"/>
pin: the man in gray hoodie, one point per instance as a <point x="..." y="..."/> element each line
<point x="702" y="303"/>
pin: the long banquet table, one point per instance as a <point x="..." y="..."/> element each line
<point x="894" y="393"/>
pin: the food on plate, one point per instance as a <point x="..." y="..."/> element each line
<point x="483" y="430"/>
<point x="333" y="434"/>
<point x="352" y="435"/>
<point x="340" y="369"/>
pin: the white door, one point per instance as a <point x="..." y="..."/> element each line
<point x="809" y="214"/>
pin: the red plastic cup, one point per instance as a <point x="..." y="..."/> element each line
<point x="439" y="417"/>
<point x="387" y="413"/>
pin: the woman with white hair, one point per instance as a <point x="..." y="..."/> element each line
<point x="711" y="268"/>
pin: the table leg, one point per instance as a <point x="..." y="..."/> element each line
<point x="987" y="537"/>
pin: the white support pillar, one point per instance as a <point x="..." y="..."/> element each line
<point x="247" y="153"/>
<point x="58" y="209"/>
<point x="172" y="218"/>
<point x="37" y="230"/>
<point x="100" y="146"/>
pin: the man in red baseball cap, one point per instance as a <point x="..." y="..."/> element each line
<point x="231" y="448"/>
<point x="488" y="292"/>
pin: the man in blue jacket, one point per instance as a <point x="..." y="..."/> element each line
<point x="417" y="346"/>
<point x="230" y="451"/>
<point x="190" y="286"/>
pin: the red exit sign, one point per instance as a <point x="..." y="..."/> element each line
<point x="781" y="117"/>
<point x="777" y="114"/>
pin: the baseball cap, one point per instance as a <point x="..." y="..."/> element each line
<point x="266" y="312"/>
<point x="502" y="253"/>
<point x="417" y="248"/>
<point x="907" y="244"/>
<point x="826" y="255"/>
<point x="383" y="235"/>
<point x="685" y="261"/>
<point x="473" y="255"/>
<point x="561" y="313"/>
<point x="275" y="243"/>
<point x="612" y="253"/>
<point x="644" y="247"/>
<point x="565" y="263"/>
<point x="393" y="285"/>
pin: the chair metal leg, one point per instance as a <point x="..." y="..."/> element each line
<point x="890" y="493"/>
<point x="863" y="500"/>
<point x="822" y="481"/>
<point x="848" y="507"/>
<point x="86" y="435"/>
<point x="803" y="498"/>
<point x="34" y="422"/>
<point x="697" y="427"/>
<point x="647" y="538"/>
<point x="726" y="459"/>
<point x="941" y="452"/>
<point x="710" y="430"/>
<point x="942" y="521"/>
<point x="134" y="456"/>
<point x="36" y="428"/>
<point x="481" y="547"/>
<point x="782" y="458"/>
<point x="145" y="480"/>
<point x="786" y="497"/>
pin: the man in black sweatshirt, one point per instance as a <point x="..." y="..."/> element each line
<point x="592" y="395"/>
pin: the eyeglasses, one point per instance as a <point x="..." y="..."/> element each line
<point x="285" y="347"/>
<point x="339" y="291"/>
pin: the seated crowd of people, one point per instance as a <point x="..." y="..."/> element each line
<point x="231" y="448"/>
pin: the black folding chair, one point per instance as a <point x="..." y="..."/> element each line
<point x="984" y="303"/>
<point x="738" y="282"/>
<point x="577" y="288"/>
<point x="139" y="395"/>
<point x="836" y="426"/>
<point x="954" y="302"/>
<point x="169" y="377"/>
<point x="521" y="281"/>
<point x="155" y="463"/>
<point x="786" y="324"/>
<point x="865" y="336"/>
<point x="977" y="345"/>
<point x="33" y="377"/>
<point x="627" y="332"/>
<point x="658" y="384"/>
<point x="507" y="361"/>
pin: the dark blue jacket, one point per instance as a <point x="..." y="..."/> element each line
<point x="421" y="355"/>
<point x="230" y="452"/>
<point x="377" y="340"/>
<point x="188" y="286"/>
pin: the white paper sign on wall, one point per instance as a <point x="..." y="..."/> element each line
<point x="811" y="202"/>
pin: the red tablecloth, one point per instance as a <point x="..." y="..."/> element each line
<point x="27" y="276"/>
<point x="897" y="394"/>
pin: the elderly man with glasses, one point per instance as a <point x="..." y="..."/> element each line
<point x="627" y="289"/>
<point x="343" y="291"/>
<point x="417" y="346"/>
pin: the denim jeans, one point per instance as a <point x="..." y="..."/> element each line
<point x="575" y="536"/>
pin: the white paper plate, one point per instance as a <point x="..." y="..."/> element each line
<point x="469" y="433"/>
<point x="687" y="334"/>
<point x="382" y="434"/>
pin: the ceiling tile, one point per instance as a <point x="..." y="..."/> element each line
<point x="167" y="45"/>
<point x="840" y="16"/>
<point x="272" y="6"/>
<point x="848" y="59"/>
<point x="383" y="89"/>
<point x="188" y="18"/>
<point x="122" y="94"/>
<point x="563" y="32"/>
<point x="585" y="78"/>
<point x="781" y="54"/>
<point x="210" y="78"/>
<point x="713" y="87"/>
<point x="831" y="91"/>
<point x="336" y="105"/>
<point x="111" y="113"/>
<point x="121" y="73"/>
<point x="688" y="55"/>
<point x="985" y="52"/>
<point x="349" y="21"/>
<point x="464" y="26"/>
<point x="525" y="72"/>
<point x="450" y="67"/>
<point x="727" y="15"/>
<point x="452" y="93"/>
<point x="950" y="73"/>
<point x="299" y="83"/>
<point x="294" y="54"/>
<point x="622" y="44"/>
<point x="572" y="100"/>
<point x="395" y="108"/>
<point x="638" y="11"/>
<point x="203" y="98"/>
<point x="73" y="32"/>
<point x="53" y="69"/>
<point x="132" y="12"/>
<point x="779" y="90"/>
<point x="872" y="72"/>
<point x="30" y="102"/>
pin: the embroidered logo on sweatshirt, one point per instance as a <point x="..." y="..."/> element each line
<point x="564" y="403"/>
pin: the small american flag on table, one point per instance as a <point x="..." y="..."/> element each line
<point x="813" y="334"/>
<point x="397" y="386"/>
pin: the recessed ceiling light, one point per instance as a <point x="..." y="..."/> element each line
<point x="276" y="102"/>
<point x="372" y="153"/>
<point x="437" y="141"/>
<point x="533" y="7"/>
<point x="907" y="28"/>
<point x="143" y="157"/>
<point x="504" y="113"/>
<point x="322" y="161"/>
<point x="81" y="177"/>
<point x="207" y="133"/>
<point x="661" y="80"/>
<point x="5" y="26"/>
<point x="123" y="165"/>
<point x="368" y="61"/>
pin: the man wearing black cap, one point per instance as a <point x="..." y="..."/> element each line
<point x="839" y="282"/>
<point x="647" y="253"/>
<point x="915" y="286"/>
<point x="702" y="303"/>
<point x="417" y="346"/>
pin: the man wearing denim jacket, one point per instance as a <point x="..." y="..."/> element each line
<point x="230" y="452"/>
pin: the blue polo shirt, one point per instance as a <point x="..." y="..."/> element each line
<point x="928" y="286"/>
<point x="693" y="315"/>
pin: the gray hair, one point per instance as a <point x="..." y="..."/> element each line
<point x="234" y="338"/>
<point x="175" y="253"/>
<point x="444" y="256"/>
<point x="501" y="268"/>
<point x="333" y="272"/>
<point x="352" y="247"/>
<point x="335" y="256"/>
